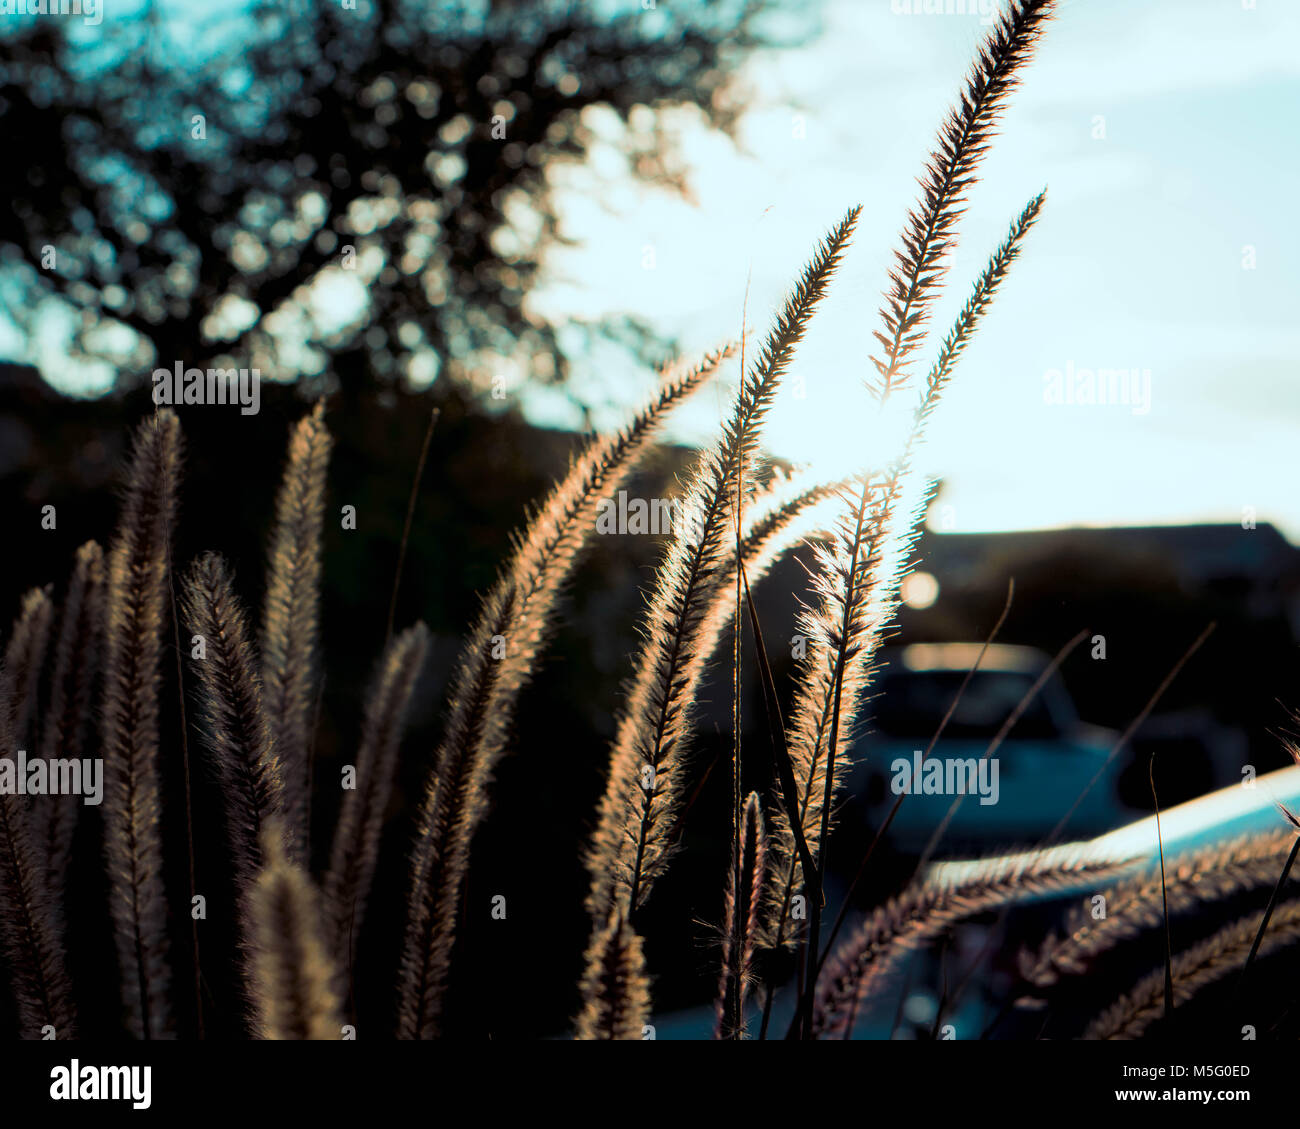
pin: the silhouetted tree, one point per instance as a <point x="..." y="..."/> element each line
<point x="364" y="174"/>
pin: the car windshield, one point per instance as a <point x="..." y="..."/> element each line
<point x="912" y="704"/>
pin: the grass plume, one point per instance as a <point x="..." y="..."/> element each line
<point x="977" y="305"/>
<point x="915" y="279"/>
<point x="1197" y="967"/>
<point x="294" y="978"/>
<point x="30" y="925"/>
<point x="356" y="838"/>
<point x="517" y="616"/>
<point x="927" y="909"/>
<point x="930" y="232"/>
<point x="71" y="705"/>
<point x="1136" y="905"/>
<point x="23" y="659"/>
<point x="291" y="617"/>
<point x="615" y="991"/>
<point x="232" y="716"/>
<point x="135" y="616"/>
<point x="646" y="782"/>
<point x="854" y="575"/>
<point x="740" y="922"/>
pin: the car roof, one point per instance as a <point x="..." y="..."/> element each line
<point x="963" y="656"/>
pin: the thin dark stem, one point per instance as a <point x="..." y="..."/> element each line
<point x="1001" y="736"/>
<point x="734" y="988"/>
<point x="898" y="1011"/>
<point x="1273" y="899"/>
<point x="1003" y="1012"/>
<point x="952" y="1001"/>
<point x="1128" y="733"/>
<point x="352" y="981"/>
<point x="801" y="965"/>
<point x="943" y="990"/>
<point x="1164" y="895"/>
<point x="189" y="807"/>
<point x="410" y="517"/>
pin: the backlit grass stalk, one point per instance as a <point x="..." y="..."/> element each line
<point x="291" y="616"/>
<point x="740" y="922"/>
<point x="1194" y="969"/>
<point x="963" y="328"/>
<point x="964" y="138"/>
<point x="925" y="910"/>
<point x="494" y="665"/>
<point x="840" y="633"/>
<point x="23" y="658"/>
<point x="31" y="931"/>
<point x="615" y="990"/>
<point x="294" y="978"/>
<point x="71" y="705"/>
<point x="1135" y="906"/>
<point x="232" y="717"/>
<point x="135" y="617"/>
<point x="915" y="279"/>
<point x="866" y="562"/>
<point x="356" y="838"/>
<point x="648" y="771"/>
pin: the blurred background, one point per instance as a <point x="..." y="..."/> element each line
<point x="514" y="211"/>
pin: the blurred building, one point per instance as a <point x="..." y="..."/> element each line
<point x="1255" y="567"/>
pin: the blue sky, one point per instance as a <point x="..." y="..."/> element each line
<point x="1139" y="261"/>
<point x="1166" y="134"/>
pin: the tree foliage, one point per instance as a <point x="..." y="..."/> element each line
<point x="281" y="184"/>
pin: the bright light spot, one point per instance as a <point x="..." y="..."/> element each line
<point x="920" y="1008"/>
<point x="920" y="590"/>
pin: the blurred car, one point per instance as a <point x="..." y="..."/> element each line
<point x="1047" y="761"/>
